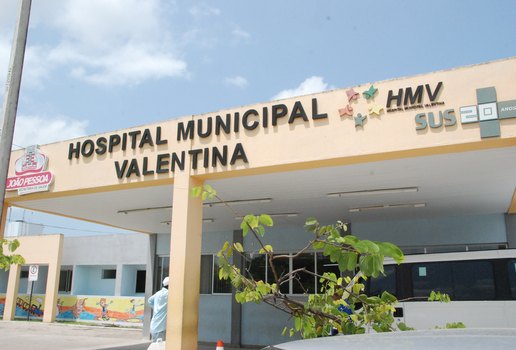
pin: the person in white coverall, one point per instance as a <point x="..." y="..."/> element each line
<point x="159" y="302"/>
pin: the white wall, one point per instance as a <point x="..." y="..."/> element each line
<point x="439" y="231"/>
<point x="215" y="318"/>
<point x="88" y="281"/>
<point x="105" y="250"/>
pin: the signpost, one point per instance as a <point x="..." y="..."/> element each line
<point x="33" y="276"/>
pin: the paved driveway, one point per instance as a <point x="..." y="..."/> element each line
<point x="23" y="335"/>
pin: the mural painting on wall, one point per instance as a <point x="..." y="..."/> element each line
<point x="83" y="308"/>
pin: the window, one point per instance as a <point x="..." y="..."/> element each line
<point x="163" y="270"/>
<point x="140" y="281"/>
<point x="461" y="280"/>
<point x="255" y="267"/>
<point x="511" y="272"/>
<point x="210" y="282"/>
<point x="24" y="274"/>
<point x="383" y="283"/>
<point x="304" y="283"/>
<point x="428" y="277"/>
<point x="220" y="286"/>
<point x="325" y="265"/>
<point x="473" y="280"/>
<point x="109" y="274"/>
<point x="282" y="267"/>
<point x="206" y="274"/>
<point x="65" y="281"/>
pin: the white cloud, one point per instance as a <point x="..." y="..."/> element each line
<point x="202" y="10"/>
<point x="241" y="34"/>
<point x="237" y="81"/>
<point x="115" y="42"/>
<point x="309" y="86"/>
<point x="41" y="130"/>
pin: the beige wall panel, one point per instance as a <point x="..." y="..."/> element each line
<point x="330" y="141"/>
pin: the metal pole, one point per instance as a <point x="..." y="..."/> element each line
<point x="30" y="301"/>
<point x="12" y="91"/>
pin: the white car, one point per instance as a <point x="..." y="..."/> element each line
<point x="437" y="339"/>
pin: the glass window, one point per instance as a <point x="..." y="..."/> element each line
<point x="206" y="274"/>
<point x="428" y="277"/>
<point x="65" y="281"/>
<point x="383" y="283"/>
<point x="163" y="270"/>
<point x="255" y="267"/>
<point x="109" y="274"/>
<point x="325" y="265"/>
<point x="140" y="281"/>
<point x="473" y="280"/>
<point x="220" y="286"/>
<point x="282" y="267"/>
<point x="511" y="272"/>
<point x="304" y="283"/>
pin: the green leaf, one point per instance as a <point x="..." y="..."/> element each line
<point x="268" y="248"/>
<point x="311" y="222"/>
<point x="366" y="246"/>
<point x="196" y="191"/>
<point x="388" y="297"/>
<point x="238" y="247"/>
<point x="266" y="220"/>
<point x="403" y="327"/>
<point x="371" y="265"/>
<point x="298" y="323"/>
<point x="260" y="230"/>
<point x="391" y="250"/>
<point x="244" y="227"/>
<point x="210" y="190"/>
<point x="13" y="245"/>
<point x="318" y="245"/>
<point x="350" y="240"/>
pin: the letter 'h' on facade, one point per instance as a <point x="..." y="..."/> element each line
<point x="185" y="264"/>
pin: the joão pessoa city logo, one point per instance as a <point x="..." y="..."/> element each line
<point x="31" y="175"/>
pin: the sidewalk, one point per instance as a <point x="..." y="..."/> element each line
<point x="22" y="335"/>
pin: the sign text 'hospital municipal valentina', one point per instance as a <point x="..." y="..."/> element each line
<point x="201" y="128"/>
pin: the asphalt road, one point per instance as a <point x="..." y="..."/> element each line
<point x="23" y="335"/>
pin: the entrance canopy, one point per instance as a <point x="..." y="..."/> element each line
<point x="474" y="182"/>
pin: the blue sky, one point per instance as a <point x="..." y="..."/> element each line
<point x="95" y="66"/>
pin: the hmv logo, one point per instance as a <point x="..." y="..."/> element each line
<point x="409" y="96"/>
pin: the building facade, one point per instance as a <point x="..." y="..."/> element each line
<point x="426" y="162"/>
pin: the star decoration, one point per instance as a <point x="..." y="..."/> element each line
<point x="352" y="95"/>
<point x="348" y="110"/>
<point x="375" y="109"/>
<point x="359" y="120"/>
<point x="369" y="93"/>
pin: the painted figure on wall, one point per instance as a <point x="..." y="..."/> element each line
<point x="104" y="306"/>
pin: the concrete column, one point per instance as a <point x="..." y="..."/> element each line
<point x="74" y="276"/>
<point x="12" y="292"/>
<point x="149" y="285"/>
<point x="510" y="224"/>
<point x="236" y="308"/>
<point x="185" y="265"/>
<point x="119" y="279"/>
<point x="54" y="269"/>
